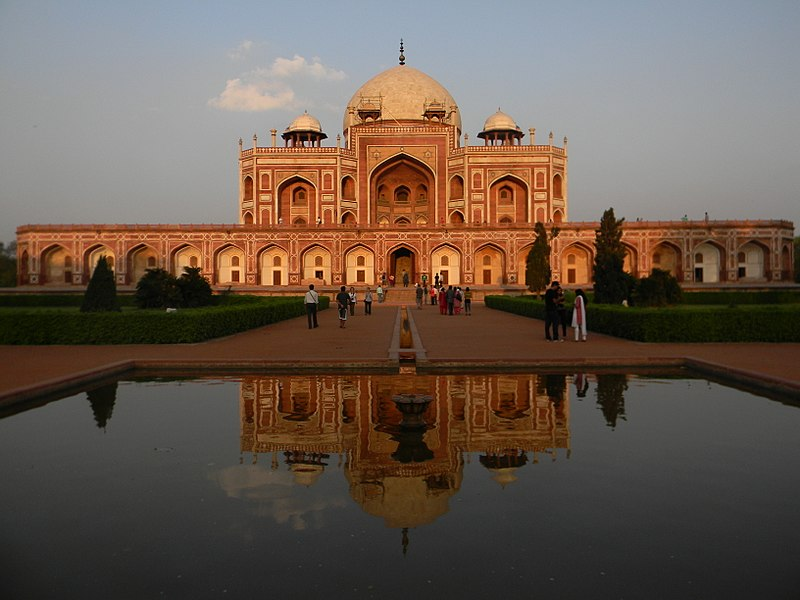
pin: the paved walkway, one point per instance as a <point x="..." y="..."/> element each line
<point x="489" y="339"/>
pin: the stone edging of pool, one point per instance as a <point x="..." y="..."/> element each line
<point x="753" y="381"/>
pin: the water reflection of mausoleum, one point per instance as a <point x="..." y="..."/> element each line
<point x="404" y="475"/>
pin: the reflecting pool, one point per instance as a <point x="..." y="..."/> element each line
<point x="587" y="485"/>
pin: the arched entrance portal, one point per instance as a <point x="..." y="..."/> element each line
<point x="402" y="261"/>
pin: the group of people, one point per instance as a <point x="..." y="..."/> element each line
<point x="452" y="299"/>
<point x="556" y="315"/>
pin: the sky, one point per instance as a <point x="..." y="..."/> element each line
<point x="130" y="112"/>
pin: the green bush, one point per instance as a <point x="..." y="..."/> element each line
<point x="660" y="288"/>
<point x="774" y="323"/>
<point x="41" y="326"/>
<point x="729" y="297"/>
<point x="101" y="293"/>
<point x="52" y="300"/>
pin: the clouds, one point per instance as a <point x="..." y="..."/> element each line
<point x="273" y="87"/>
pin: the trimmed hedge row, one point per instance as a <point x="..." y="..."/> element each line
<point x="145" y="326"/>
<point x="735" y="297"/>
<point x="773" y="323"/>
<point x="46" y="300"/>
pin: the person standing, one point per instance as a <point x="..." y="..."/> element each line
<point x="368" y="301"/>
<point x="561" y="306"/>
<point x="379" y="291"/>
<point x="405" y="278"/>
<point x="418" y="295"/>
<point x="353" y="300"/>
<point x="450" y="297"/>
<point x="342" y="301"/>
<point x="458" y="296"/>
<point x="579" y="315"/>
<point x="468" y="302"/>
<point x="312" y="304"/>
<point x="425" y="280"/>
<point x="442" y="301"/>
<point x="551" y="312"/>
<point x="434" y="294"/>
<point x="436" y="281"/>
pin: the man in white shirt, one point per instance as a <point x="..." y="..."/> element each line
<point x="312" y="303"/>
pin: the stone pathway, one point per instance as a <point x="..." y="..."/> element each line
<point x="489" y="339"/>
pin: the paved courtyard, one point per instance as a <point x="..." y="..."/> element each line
<point x="487" y="339"/>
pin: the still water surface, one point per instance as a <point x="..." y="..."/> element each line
<point x="505" y="486"/>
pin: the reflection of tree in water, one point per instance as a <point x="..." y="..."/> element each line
<point x="555" y="386"/>
<point x="610" y="389"/>
<point x="102" y="400"/>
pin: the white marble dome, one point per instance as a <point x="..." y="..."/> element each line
<point x="404" y="92"/>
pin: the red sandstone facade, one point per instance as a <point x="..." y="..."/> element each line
<point x="399" y="193"/>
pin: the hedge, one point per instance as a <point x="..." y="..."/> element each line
<point x="768" y="323"/>
<point x="729" y="297"/>
<point x="145" y="326"/>
<point x="44" y="300"/>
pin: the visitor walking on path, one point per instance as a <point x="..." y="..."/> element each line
<point x="379" y="291"/>
<point x="368" y="301"/>
<point x="579" y="315"/>
<point x="312" y="304"/>
<point x="551" y="313"/>
<point x="418" y="292"/>
<point x="342" y="301"/>
<point x="353" y="300"/>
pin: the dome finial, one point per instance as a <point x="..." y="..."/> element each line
<point x="402" y="58"/>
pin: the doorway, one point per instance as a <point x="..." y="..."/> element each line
<point x="402" y="261"/>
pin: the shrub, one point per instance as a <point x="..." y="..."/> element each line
<point x="101" y="293"/>
<point x="157" y="289"/>
<point x="194" y="288"/>
<point x="660" y="288"/>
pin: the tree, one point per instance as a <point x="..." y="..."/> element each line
<point x="194" y="288"/>
<point x="101" y="293"/>
<point x="537" y="263"/>
<point x="8" y="264"/>
<point x="611" y="283"/>
<point x="157" y="289"/>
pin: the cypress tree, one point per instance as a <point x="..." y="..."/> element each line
<point x="610" y="280"/>
<point x="101" y="293"/>
<point x="537" y="263"/>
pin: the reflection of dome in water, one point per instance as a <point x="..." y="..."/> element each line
<point x="406" y="501"/>
<point x="504" y="465"/>
<point x="404" y="92"/>
<point x="306" y="475"/>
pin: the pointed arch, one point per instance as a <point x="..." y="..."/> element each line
<point x="317" y="265"/>
<point x="185" y="255"/>
<point x="456" y="187"/>
<point x="708" y="261"/>
<point x="348" y="218"/>
<point x="752" y="261"/>
<point x="229" y="265"/>
<point x="140" y="258"/>
<point x="667" y="256"/>
<point x="509" y="198"/>
<point x="273" y="265"/>
<point x="446" y="262"/>
<point x="359" y="265"/>
<point x="297" y="199"/>
<point x="56" y="265"/>
<point x="576" y="264"/>
<point x="490" y="265"/>
<point x="348" y="188"/>
<point x="401" y="186"/>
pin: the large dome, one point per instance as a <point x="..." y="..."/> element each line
<point x="404" y="94"/>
